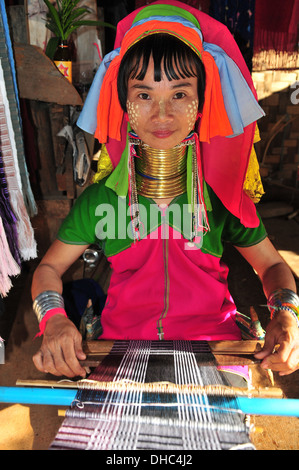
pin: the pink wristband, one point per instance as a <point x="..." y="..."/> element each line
<point x="49" y="314"/>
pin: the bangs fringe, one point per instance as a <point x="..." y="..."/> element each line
<point x="175" y="56"/>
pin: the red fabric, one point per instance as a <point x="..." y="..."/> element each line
<point x="49" y="314"/>
<point x="275" y="25"/>
<point x="225" y="160"/>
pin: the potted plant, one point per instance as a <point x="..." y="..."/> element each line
<point x="64" y="20"/>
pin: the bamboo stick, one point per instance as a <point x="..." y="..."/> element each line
<point x="154" y="387"/>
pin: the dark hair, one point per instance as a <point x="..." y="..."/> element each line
<point x="177" y="58"/>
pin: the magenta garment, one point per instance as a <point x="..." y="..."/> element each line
<point x="223" y="170"/>
<point x="276" y="30"/>
<point x="145" y="293"/>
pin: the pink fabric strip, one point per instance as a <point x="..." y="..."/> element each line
<point x="243" y="371"/>
<point x="49" y="314"/>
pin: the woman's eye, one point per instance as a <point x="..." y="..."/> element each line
<point x="144" y="96"/>
<point x="179" y="95"/>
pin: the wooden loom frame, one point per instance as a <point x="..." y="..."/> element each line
<point x="263" y="400"/>
<point x="225" y="353"/>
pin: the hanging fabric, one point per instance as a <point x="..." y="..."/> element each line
<point x="8" y="266"/>
<point x="7" y="215"/>
<point x="9" y="79"/>
<point x="9" y="252"/>
<point x="25" y="235"/>
<point x="276" y="25"/>
<point x="18" y="203"/>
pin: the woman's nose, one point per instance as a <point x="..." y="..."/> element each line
<point x="162" y="111"/>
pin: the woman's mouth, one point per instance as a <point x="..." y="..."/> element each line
<point x="162" y="134"/>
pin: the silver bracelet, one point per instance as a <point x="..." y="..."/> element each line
<point x="46" y="301"/>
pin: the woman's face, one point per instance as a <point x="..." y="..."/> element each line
<point x="162" y="113"/>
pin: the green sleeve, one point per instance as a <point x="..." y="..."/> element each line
<point x="238" y="235"/>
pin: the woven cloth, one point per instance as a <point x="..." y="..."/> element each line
<point x="9" y="79"/>
<point x="19" y="195"/>
<point x="133" y="416"/>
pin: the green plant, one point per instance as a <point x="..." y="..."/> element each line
<point x="64" y="20"/>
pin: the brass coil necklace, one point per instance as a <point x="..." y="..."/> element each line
<point x="161" y="173"/>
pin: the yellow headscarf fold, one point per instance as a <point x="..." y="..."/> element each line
<point x="253" y="186"/>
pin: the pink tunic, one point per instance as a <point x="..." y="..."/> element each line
<point x="145" y="298"/>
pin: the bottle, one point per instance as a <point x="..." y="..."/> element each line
<point x="63" y="61"/>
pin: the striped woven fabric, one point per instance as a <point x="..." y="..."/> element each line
<point x="9" y="79"/>
<point x="152" y="395"/>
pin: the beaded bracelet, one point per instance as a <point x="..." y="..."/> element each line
<point x="284" y="299"/>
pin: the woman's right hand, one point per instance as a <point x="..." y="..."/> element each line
<point x="61" y="349"/>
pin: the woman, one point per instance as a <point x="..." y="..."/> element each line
<point x="159" y="216"/>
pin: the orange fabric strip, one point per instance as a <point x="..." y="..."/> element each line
<point x="214" y="121"/>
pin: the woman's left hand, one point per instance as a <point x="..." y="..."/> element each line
<point x="281" y="348"/>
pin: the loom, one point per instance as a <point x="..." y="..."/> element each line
<point x="153" y="395"/>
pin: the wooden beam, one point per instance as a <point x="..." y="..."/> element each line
<point x="161" y="387"/>
<point x="102" y="347"/>
<point x="242" y="347"/>
<point x="39" y="79"/>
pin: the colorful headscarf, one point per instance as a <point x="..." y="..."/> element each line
<point x="109" y="113"/>
<point x="226" y="129"/>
